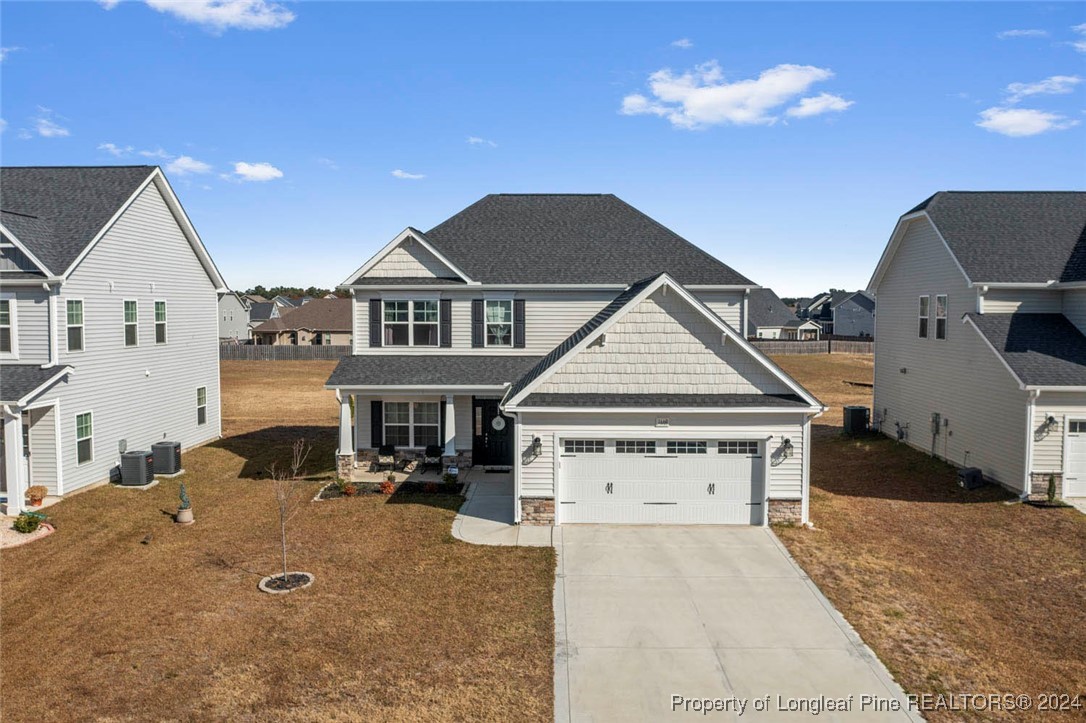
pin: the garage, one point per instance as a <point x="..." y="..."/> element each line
<point x="661" y="481"/>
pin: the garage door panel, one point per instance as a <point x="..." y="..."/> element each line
<point x="680" y="513"/>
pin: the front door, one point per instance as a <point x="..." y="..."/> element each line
<point x="1074" y="483"/>
<point x="492" y="434"/>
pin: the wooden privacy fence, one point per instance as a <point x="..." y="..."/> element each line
<point x="822" y="346"/>
<point x="286" y="352"/>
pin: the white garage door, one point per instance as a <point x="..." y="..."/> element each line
<point x="1074" y="485"/>
<point x="678" y="482"/>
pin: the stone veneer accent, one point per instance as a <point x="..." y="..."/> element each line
<point x="785" y="512"/>
<point x="1038" y="485"/>
<point x="344" y="465"/>
<point x="536" y="511"/>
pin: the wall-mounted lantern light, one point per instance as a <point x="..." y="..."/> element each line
<point x="537" y="446"/>
<point x="786" y="448"/>
<point x="1046" y="426"/>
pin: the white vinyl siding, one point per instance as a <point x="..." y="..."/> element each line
<point x="960" y="378"/>
<point x="1048" y="447"/>
<point x="30" y="324"/>
<point x="1029" y="301"/>
<point x="409" y="260"/>
<point x="728" y="305"/>
<point x="43" y="448"/>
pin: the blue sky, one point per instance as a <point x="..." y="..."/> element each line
<point x="783" y="138"/>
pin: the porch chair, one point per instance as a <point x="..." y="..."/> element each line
<point x="386" y="457"/>
<point x="432" y="457"/>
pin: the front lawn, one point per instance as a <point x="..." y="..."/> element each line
<point x="957" y="592"/>
<point x="121" y="614"/>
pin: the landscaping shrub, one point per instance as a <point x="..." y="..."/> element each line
<point x="387" y="487"/>
<point x="27" y="523"/>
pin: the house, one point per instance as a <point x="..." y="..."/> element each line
<point x="259" y="312"/>
<point x="285" y="302"/>
<point x="841" y="313"/>
<point x="233" y="316"/>
<point x="583" y="346"/>
<point x="769" y="318"/>
<point x="108" y="331"/>
<point x="980" y="356"/>
<point x="255" y="298"/>
<point x="320" y="322"/>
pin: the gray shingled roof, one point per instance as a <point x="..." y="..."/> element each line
<point x="429" y="370"/>
<point x="575" y="338"/>
<point x="1042" y="349"/>
<point x="18" y="380"/>
<point x="662" y="400"/>
<point x="316" y="315"/>
<point x="1013" y="236"/>
<point x="570" y="239"/>
<point x="765" y="309"/>
<point x="406" y="280"/>
<point x="260" y="311"/>
<point x="67" y="206"/>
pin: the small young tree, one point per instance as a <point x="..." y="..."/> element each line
<point x="285" y="484"/>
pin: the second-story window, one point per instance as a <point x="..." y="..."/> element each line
<point x="940" y="316"/>
<point x="7" y="327"/>
<point x="160" y="322"/>
<point x="410" y="323"/>
<point x="75" y="324"/>
<point x="922" y="330"/>
<point x="499" y="322"/>
<point x="131" y="323"/>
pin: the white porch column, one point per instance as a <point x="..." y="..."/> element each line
<point x="346" y="438"/>
<point x="13" y="461"/>
<point x="450" y="427"/>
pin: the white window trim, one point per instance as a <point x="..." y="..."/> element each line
<point x="925" y="316"/>
<point x="125" y="323"/>
<point x="199" y="406"/>
<point x="689" y="446"/>
<point x="512" y="321"/>
<point x="82" y="326"/>
<point x="410" y="421"/>
<point x="649" y="446"/>
<point x="410" y="323"/>
<point x="165" y="322"/>
<point x="13" y="318"/>
<point x="79" y="439"/>
<point x="946" y="313"/>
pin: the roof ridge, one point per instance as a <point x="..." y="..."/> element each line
<point x="19" y="213"/>
<point x="134" y="165"/>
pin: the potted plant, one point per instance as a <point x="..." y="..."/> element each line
<point x="184" y="510"/>
<point x="36" y="493"/>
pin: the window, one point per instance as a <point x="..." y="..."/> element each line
<point x="687" y="447"/>
<point x="940" y="316"/>
<point x="201" y="405"/>
<point x="294" y="338"/>
<point x="583" y="446"/>
<point x="1076" y="427"/>
<point x="412" y="424"/>
<point x="160" y="322"/>
<point x="499" y="322"/>
<point x="411" y="323"/>
<point x="923" y="331"/>
<point x="7" y="327"/>
<point x="84" y="437"/>
<point x="747" y="448"/>
<point x="635" y="447"/>
<point x="131" y="324"/>
<point x="75" y="324"/>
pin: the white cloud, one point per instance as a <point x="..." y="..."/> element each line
<point x="328" y="163"/>
<point x="477" y="141"/>
<point x="114" y="150"/>
<point x="702" y="97"/>
<point x="1054" y="85"/>
<point x="3" y="125"/>
<point x="5" y="51"/>
<point x="157" y="153"/>
<point x="408" y="176"/>
<point x="46" y="127"/>
<point x="1021" y="122"/>
<point x="109" y="4"/>
<point x="220" y="15"/>
<point x="819" y="104"/>
<point x="185" y="165"/>
<point x="256" y="171"/>
<point x="1028" y="33"/>
<point x="683" y="43"/>
<point x="1080" y="44"/>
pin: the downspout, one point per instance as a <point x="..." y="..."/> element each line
<point x="52" y="327"/>
<point x="1028" y="481"/>
<point x="744" y="332"/>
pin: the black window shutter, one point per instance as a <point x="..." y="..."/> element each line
<point x="445" y="314"/>
<point x="441" y="425"/>
<point x="477" y="330"/>
<point x="375" y="322"/>
<point x="377" y="423"/>
<point x="518" y="323"/>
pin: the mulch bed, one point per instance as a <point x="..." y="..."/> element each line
<point x="333" y="491"/>
<point x="291" y="581"/>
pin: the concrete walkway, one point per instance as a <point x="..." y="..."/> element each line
<point x="643" y="614"/>
<point x="1079" y="503"/>
<point x="486" y="517"/>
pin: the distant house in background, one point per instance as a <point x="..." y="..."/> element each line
<point x="839" y="312"/>
<point x="233" y="316"/>
<point x="285" y="301"/>
<point x="321" y="322"/>
<point x="255" y="298"/>
<point x="769" y="318"/>
<point x="259" y="312"/>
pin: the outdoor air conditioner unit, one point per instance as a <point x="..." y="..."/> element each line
<point x="137" y="468"/>
<point x="167" y="457"/>
<point x="970" y="478"/>
<point x="856" y="420"/>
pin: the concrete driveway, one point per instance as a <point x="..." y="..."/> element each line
<point x="723" y="613"/>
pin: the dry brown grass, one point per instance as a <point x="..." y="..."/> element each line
<point x="955" y="591"/>
<point x="403" y="622"/>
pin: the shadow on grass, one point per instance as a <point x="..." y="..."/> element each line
<point x="878" y="467"/>
<point x="272" y="446"/>
<point x="439" y="500"/>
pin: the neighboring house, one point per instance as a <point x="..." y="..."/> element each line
<point x="255" y="298"/>
<point x="285" y="302"/>
<point x="233" y="316"/>
<point x="841" y="313"/>
<point x="980" y="356"/>
<point x="108" y="333"/>
<point x="320" y="322"/>
<point x="259" y="312"/>
<point x="584" y="346"/>
<point x="769" y="318"/>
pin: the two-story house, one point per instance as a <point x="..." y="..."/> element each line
<point x="108" y="331"/>
<point x="769" y="318"/>
<point x="840" y="313"/>
<point x="980" y="355"/>
<point x="588" y="349"/>
<point x="233" y="316"/>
